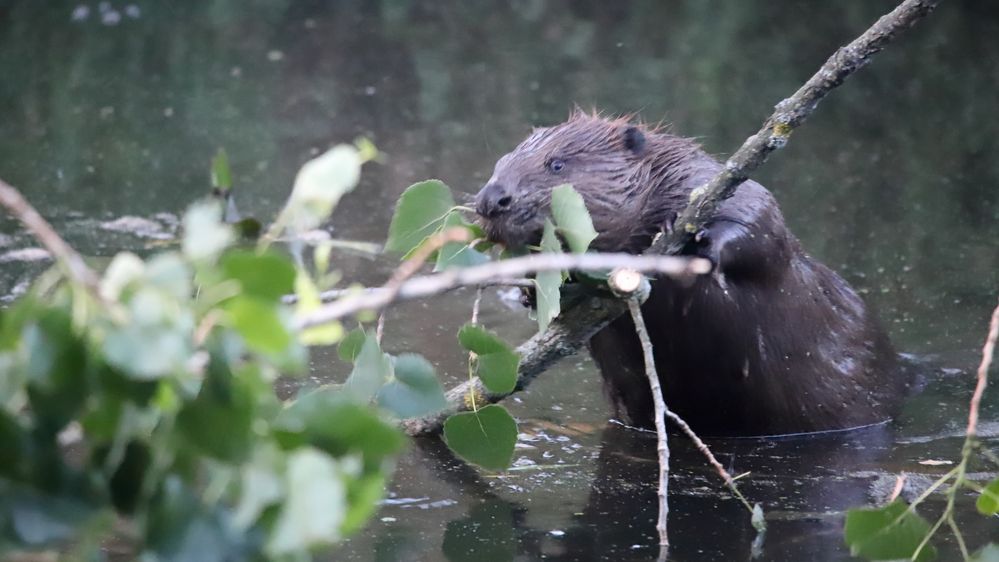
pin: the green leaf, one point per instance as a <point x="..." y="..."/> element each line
<point x="13" y="320"/>
<point x="56" y="369"/>
<point x="248" y="228"/>
<point x="415" y="391"/>
<point x="171" y="274"/>
<point x="372" y="369"/>
<point x="366" y="149"/>
<point x="363" y="495"/>
<point x="572" y="218"/>
<point x="458" y="254"/>
<point x="988" y="553"/>
<point x="314" y="508"/>
<point x="350" y="345"/>
<point x="327" y="419"/>
<point x="496" y="362"/>
<point x="483" y="342"/>
<point x="259" y="323"/>
<point x="147" y="352"/>
<point x="125" y="269"/>
<point x="16" y="450"/>
<point x="309" y="300"/>
<point x="205" y="236"/>
<point x="37" y="519"/>
<point x="420" y="212"/>
<point x="549" y="283"/>
<point x="320" y="184"/>
<point x="988" y="501"/>
<point x="156" y="340"/>
<point x="267" y="276"/>
<point x="221" y="174"/>
<point x="261" y="485"/>
<point x="125" y="486"/>
<point x="181" y="528"/>
<point x="486" y="437"/>
<point x="887" y="533"/>
<point x="219" y="421"/>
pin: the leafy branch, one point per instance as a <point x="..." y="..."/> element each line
<point x="896" y="530"/>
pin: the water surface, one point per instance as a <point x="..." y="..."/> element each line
<point x="111" y="112"/>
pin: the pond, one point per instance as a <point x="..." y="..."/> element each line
<point x="112" y="111"/>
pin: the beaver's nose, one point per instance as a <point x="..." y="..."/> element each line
<point x="493" y="200"/>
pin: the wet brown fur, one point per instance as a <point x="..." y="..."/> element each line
<point x="772" y="342"/>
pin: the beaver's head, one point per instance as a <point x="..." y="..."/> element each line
<point x="605" y="160"/>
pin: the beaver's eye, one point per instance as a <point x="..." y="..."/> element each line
<point x="556" y="165"/>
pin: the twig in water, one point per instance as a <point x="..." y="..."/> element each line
<point x="899" y="484"/>
<point x="634" y="306"/>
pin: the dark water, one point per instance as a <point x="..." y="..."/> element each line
<point x="110" y="112"/>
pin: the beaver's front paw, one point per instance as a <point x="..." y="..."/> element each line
<point x="703" y="246"/>
<point x="528" y="297"/>
<point x="669" y="224"/>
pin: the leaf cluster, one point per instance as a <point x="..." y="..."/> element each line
<point x="147" y="408"/>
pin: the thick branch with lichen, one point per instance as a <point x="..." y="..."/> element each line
<point x="561" y="340"/>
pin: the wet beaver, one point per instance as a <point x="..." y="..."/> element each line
<point x="771" y="342"/>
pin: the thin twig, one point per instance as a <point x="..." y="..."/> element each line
<point x="988" y="350"/>
<point x="899" y="485"/>
<point x="471" y="354"/>
<point x="703" y="448"/>
<point x="429" y="285"/>
<point x="68" y="258"/>
<point x="380" y="327"/>
<point x="958" y="536"/>
<point x="412" y="265"/>
<point x="334" y="294"/>
<point x="476" y="305"/>
<point x="634" y="306"/>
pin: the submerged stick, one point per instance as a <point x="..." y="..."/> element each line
<point x="560" y="339"/>
<point x="635" y="308"/>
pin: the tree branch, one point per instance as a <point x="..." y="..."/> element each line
<point x="67" y="258"/>
<point x="788" y="115"/>
<point x="334" y="294"/>
<point x="429" y="285"/>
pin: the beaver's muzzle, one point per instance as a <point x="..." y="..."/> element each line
<point x="493" y="200"/>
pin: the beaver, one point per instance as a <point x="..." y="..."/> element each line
<point x="771" y="342"/>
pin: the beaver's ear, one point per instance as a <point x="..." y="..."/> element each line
<point x="634" y="139"/>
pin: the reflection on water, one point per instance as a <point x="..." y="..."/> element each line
<point x="112" y="110"/>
